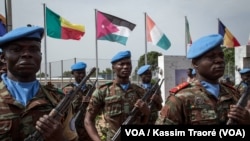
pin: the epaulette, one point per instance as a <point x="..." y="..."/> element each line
<point x="179" y="87"/>
<point x="49" y="86"/>
<point x="106" y="84"/>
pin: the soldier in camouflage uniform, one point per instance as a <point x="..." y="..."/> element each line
<point x="116" y="99"/>
<point x="204" y="101"/>
<point x="189" y="74"/>
<point x="78" y="70"/>
<point x="25" y="103"/>
<point x="145" y="74"/>
<point x="245" y="81"/>
<point x="2" y="65"/>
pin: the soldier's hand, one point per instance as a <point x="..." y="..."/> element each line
<point x="50" y="128"/>
<point x="143" y="107"/>
<point x="239" y="114"/>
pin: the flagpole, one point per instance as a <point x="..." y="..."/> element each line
<point x="146" y="52"/>
<point x="218" y="25"/>
<point x="8" y="15"/>
<point x="45" y="42"/>
<point x="97" y="69"/>
<point x="186" y="35"/>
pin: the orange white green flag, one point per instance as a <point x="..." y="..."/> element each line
<point x="155" y="35"/>
<point x="60" y="28"/>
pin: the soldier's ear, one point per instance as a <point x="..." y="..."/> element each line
<point x="195" y="66"/>
<point x="195" y="63"/>
<point x="2" y="58"/>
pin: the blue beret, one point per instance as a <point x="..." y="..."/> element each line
<point x="193" y="71"/>
<point x="245" y="70"/>
<point x="143" y="69"/>
<point x="35" y="32"/>
<point x="121" y="55"/>
<point x="203" y="45"/>
<point x="78" y="66"/>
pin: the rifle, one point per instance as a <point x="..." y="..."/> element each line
<point x="62" y="107"/>
<point x="155" y="92"/>
<point x="76" y="120"/>
<point x="134" y="112"/>
<point x="237" y="88"/>
<point x="242" y="102"/>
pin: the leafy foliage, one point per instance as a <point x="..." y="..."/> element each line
<point x="230" y="61"/>
<point x="42" y="74"/>
<point x="152" y="59"/>
<point x="67" y="74"/>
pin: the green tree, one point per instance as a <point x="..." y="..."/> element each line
<point x="67" y="74"/>
<point x="107" y="73"/>
<point x="42" y="74"/>
<point x="152" y="59"/>
<point x="230" y="61"/>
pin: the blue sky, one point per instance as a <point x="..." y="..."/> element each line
<point x="167" y="14"/>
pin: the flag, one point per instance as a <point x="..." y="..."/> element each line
<point x="3" y="29"/>
<point x="229" y="40"/>
<point x="188" y="36"/>
<point x="60" y="28"/>
<point x="112" y="28"/>
<point x="155" y="35"/>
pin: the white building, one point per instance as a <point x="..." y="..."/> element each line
<point x="242" y="60"/>
<point x="173" y="69"/>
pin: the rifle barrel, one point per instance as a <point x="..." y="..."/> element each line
<point x="156" y="92"/>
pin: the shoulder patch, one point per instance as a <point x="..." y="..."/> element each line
<point x="106" y="84"/>
<point x="179" y="87"/>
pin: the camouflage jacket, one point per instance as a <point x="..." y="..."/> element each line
<point x="17" y="121"/>
<point x="116" y="104"/>
<point x="190" y="103"/>
<point x="79" y="127"/>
